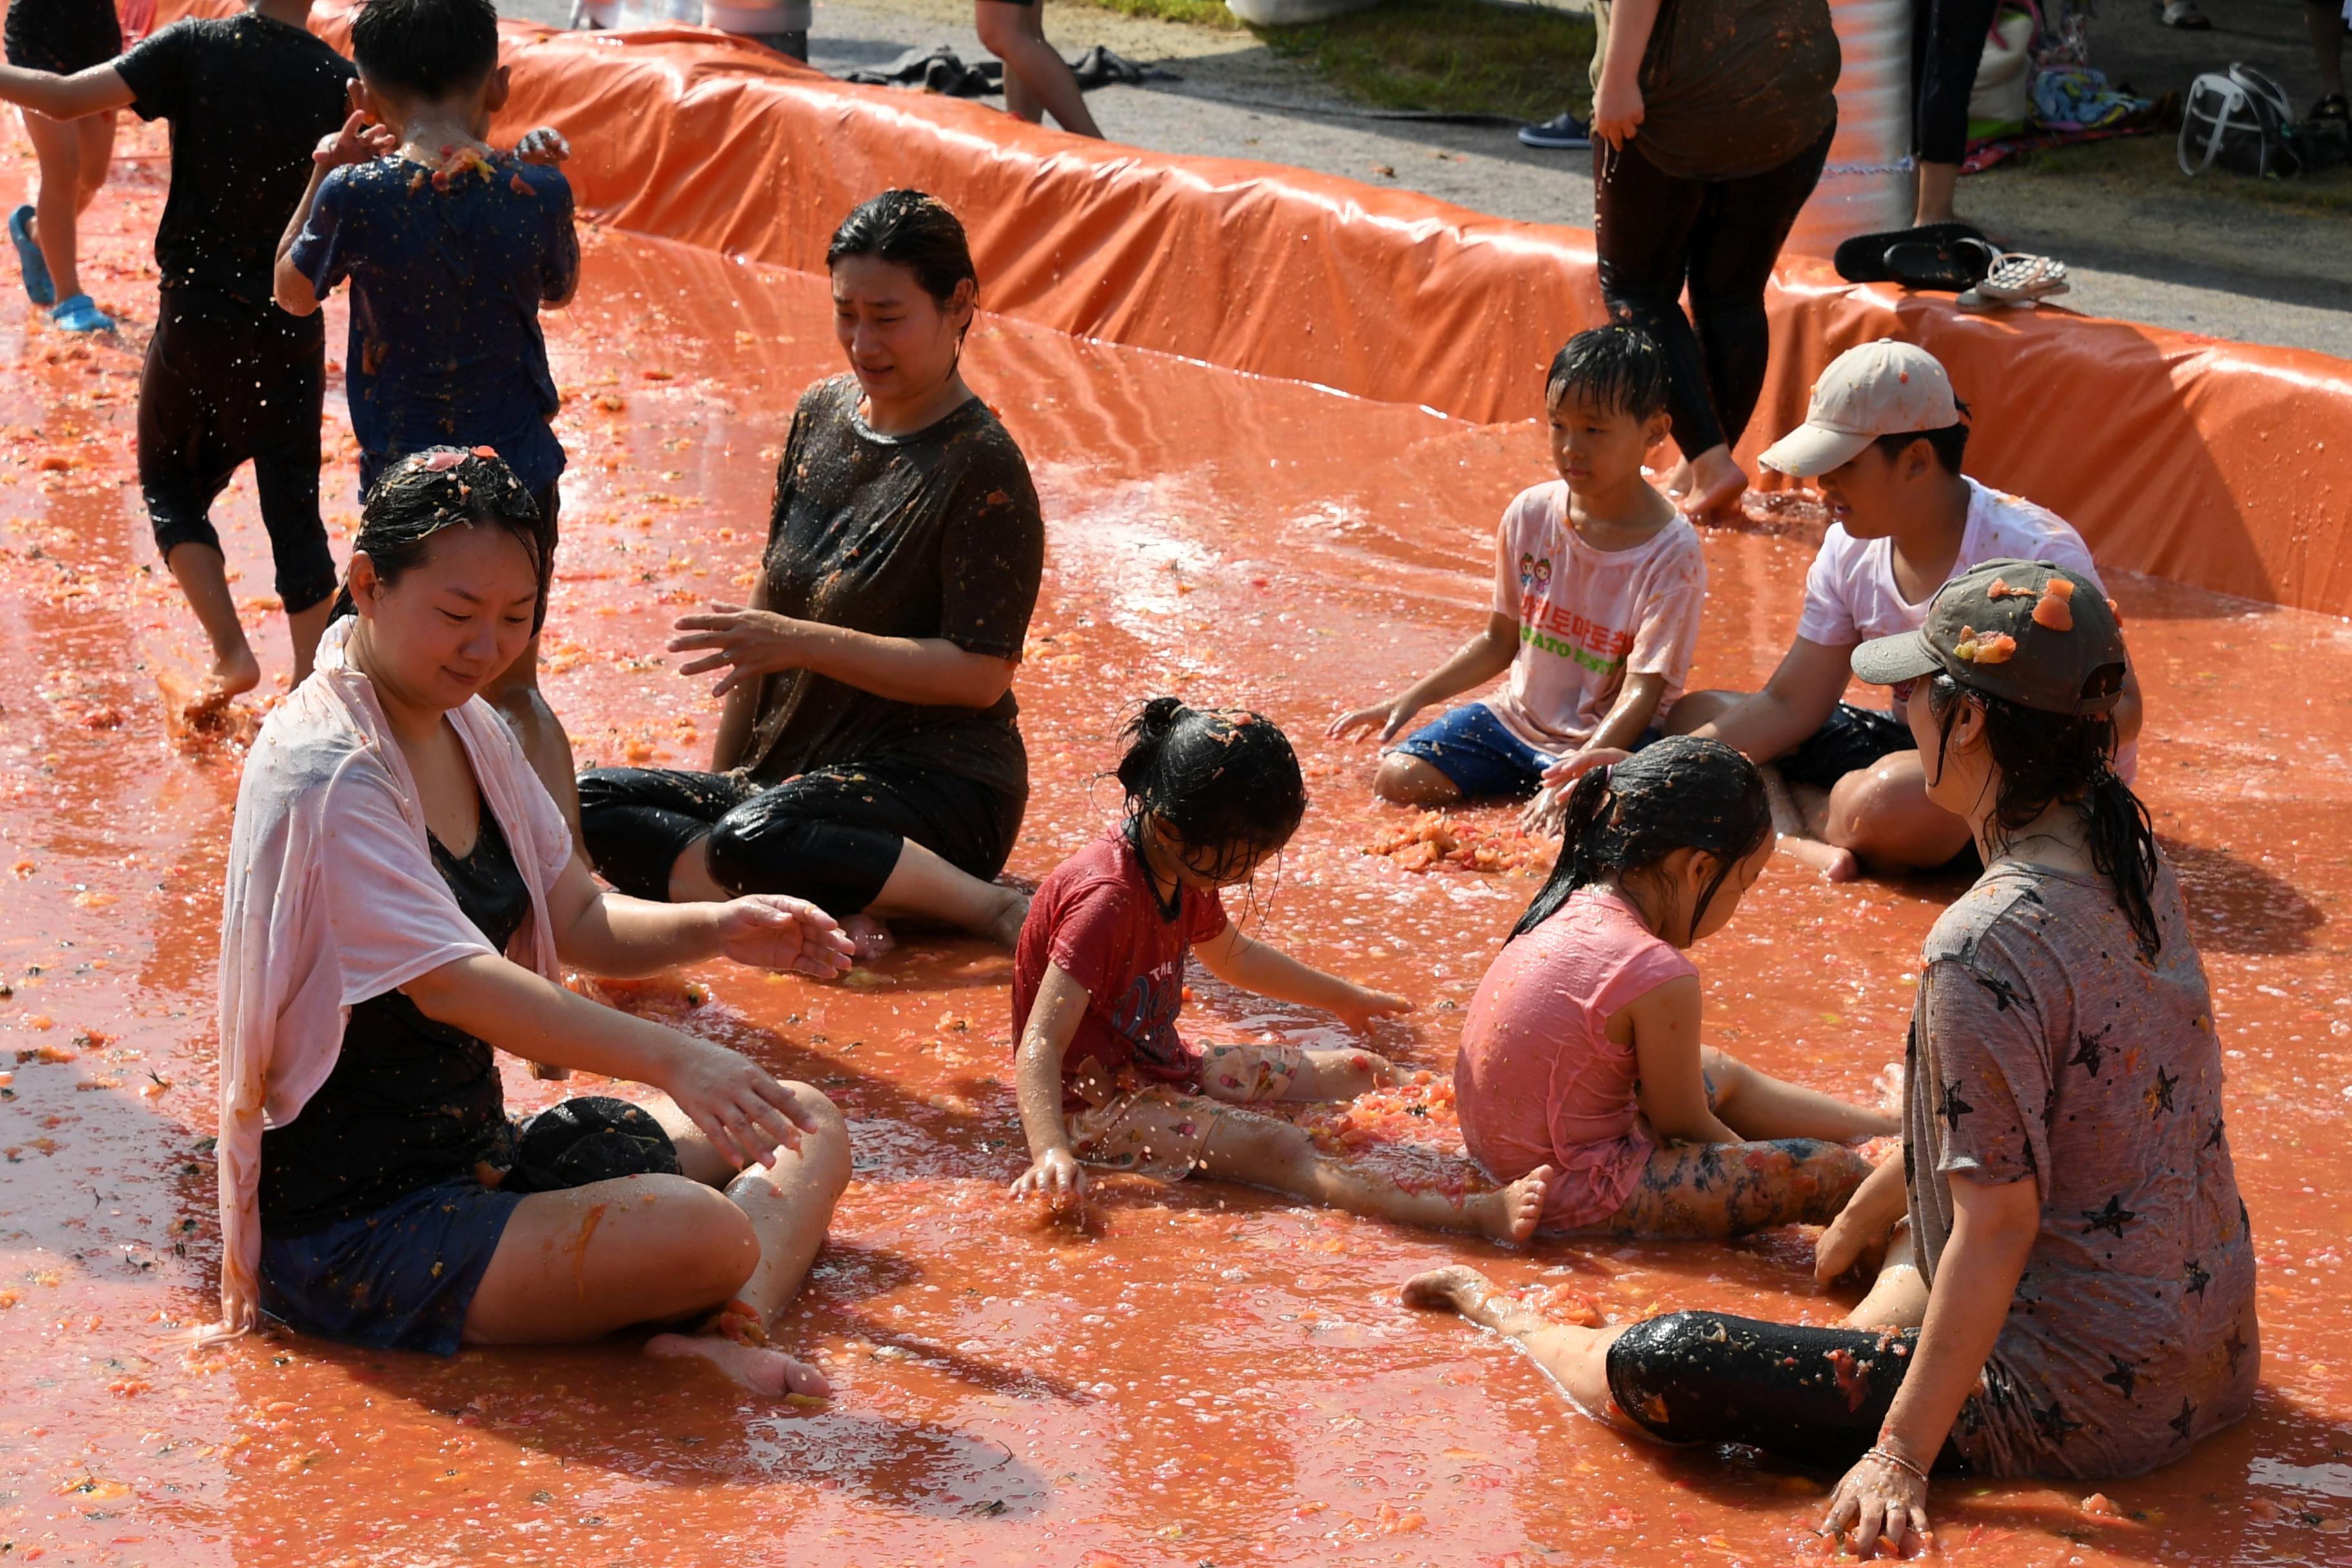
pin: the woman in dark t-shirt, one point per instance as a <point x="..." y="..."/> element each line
<point x="868" y="758"/>
<point x="1711" y="123"/>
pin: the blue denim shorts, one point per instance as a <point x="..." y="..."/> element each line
<point x="396" y="1278"/>
<point x="1479" y="754"/>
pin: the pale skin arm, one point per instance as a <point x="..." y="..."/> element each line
<point x="91" y="91"/>
<point x="1975" y="1280"/>
<point x="747" y="1115"/>
<point x="611" y="933"/>
<point x="1474" y="664"/>
<point x="1663" y="1026"/>
<point x="1868" y="1216"/>
<point x="1636" y="705"/>
<point x="748" y="643"/>
<point x="1793" y="704"/>
<point x="1053" y="1019"/>
<point x="1252" y="965"/>
<point x="357" y="142"/>
<point x="1617" y="110"/>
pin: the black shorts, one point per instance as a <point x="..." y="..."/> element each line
<point x="225" y="384"/>
<point x="831" y="835"/>
<point x="62" y="36"/>
<point x="1849" y="739"/>
<point x="1811" y="1396"/>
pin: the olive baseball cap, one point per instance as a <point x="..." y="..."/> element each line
<point x="2024" y="631"/>
<point x="1885" y="388"/>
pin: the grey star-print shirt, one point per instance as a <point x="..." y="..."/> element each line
<point x="2045" y="1047"/>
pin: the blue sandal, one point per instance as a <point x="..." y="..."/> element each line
<point x="37" y="286"/>
<point x="82" y="314"/>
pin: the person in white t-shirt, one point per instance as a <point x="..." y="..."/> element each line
<point x="1599" y="581"/>
<point x="1883" y="440"/>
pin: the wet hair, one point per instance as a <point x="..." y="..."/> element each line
<point x="1681" y="793"/>
<point x="426" y="492"/>
<point x="913" y="230"/>
<point x="429" y="49"/>
<point x="1616" y="367"/>
<point x="1226" y="781"/>
<point x="1949" y="443"/>
<point x="2045" y="758"/>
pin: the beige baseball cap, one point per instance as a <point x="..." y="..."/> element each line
<point x="1885" y="388"/>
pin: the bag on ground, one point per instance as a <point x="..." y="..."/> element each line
<point x="2239" y="120"/>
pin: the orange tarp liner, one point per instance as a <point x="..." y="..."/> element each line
<point x="2216" y="463"/>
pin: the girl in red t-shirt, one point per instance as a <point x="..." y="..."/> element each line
<point x="1098" y="976"/>
<point x="1581" y="1052"/>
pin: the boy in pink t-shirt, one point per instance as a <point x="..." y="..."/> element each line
<point x="1581" y="1049"/>
<point x="1598" y="585"/>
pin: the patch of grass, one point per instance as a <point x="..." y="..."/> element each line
<point x="2142" y="165"/>
<point x="1455" y="56"/>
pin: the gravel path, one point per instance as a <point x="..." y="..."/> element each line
<point x="2166" y="255"/>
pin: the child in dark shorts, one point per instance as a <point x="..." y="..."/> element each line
<point x="230" y="378"/>
<point x="452" y="248"/>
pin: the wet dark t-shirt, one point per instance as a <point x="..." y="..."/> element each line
<point x="935" y="535"/>
<point x="446" y="283"/>
<point x="1732" y="88"/>
<point x="248" y="98"/>
<point x="410" y="1102"/>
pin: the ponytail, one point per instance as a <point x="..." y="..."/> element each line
<point x="1225" y="782"/>
<point x="1681" y="793"/>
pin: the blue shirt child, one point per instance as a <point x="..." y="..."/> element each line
<point x="447" y="277"/>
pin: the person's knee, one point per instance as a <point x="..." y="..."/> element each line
<point x="1883" y="813"/>
<point x="1693" y="708"/>
<point x="706" y="1248"/>
<point x="999" y="26"/>
<point x="1726" y="1077"/>
<point x="1408" y="780"/>
<point x="825" y="1147"/>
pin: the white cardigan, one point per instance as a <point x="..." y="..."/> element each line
<point x="332" y="899"/>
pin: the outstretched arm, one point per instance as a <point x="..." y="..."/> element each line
<point x="91" y="91"/>
<point x="748" y="643"/>
<point x="1241" y="960"/>
<point x="1794" y="703"/>
<point x="611" y="933"/>
<point x="1474" y="664"/>
<point x="1053" y="1018"/>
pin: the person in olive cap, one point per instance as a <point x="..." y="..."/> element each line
<point x="2069" y="1283"/>
<point x="1881" y="441"/>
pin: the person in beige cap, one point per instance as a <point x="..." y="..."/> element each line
<point x="1883" y="442"/>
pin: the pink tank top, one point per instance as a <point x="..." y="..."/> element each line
<point x="1539" y="1081"/>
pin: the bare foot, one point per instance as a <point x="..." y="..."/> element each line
<point x="1456" y="1289"/>
<point x="869" y="936"/>
<point x="756" y="1367"/>
<point x="1005" y="927"/>
<point x="1835" y="865"/>
<point x="1717" y="484"/>
<point x="1678" y="480"/>
<point x="1512" y="1215"/>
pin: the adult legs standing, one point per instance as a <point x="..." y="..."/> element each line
<point x="1948" y="39"/>
<point x="1037" y="81"/>
<point x="74" y="158"/>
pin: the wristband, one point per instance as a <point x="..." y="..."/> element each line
<point x="1881" y="1452"/>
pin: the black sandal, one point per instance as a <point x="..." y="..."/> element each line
<point x="1863" y="259"/>
<point x="2330" y="110"/>
<point x="1951" y="266"/>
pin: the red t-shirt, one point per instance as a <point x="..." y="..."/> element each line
<point x="1097" y="919"/>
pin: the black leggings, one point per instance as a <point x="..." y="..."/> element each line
<point x="1948" y="41"/>
<point x="1658" y="232"/>
<point x="831" y="835"/>
<point x="1814" y="1398"/>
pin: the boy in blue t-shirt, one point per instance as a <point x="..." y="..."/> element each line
<point x="452" y="249"/>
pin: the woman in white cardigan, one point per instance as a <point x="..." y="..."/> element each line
<point x="401" y="895"/>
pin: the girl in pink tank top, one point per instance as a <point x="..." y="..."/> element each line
<point x="1581" y="1049"/>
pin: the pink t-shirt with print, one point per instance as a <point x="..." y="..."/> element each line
<point x="1539" y="1081"/>
<point x="1589" y="618"/>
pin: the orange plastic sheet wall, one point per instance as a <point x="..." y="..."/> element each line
<point x="2220" y="465"/>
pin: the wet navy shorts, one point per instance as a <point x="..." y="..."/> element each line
<point x="396" y="1278"/>
<point x="1481" y="756"/>
<point x="1849" y="739"/>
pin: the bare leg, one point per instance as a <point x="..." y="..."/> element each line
<point x="790" y="1207"/>
<point x="1260" y="1152"/>
<point x="1037" y="81"/>
<point x="1716" y="483"/>
<point x="1758" y="1106"/>
<point x="1799" y="828"/>
<point x="57" y="206"/>
<point x="923" y="885"/>
<point x="515" y="694"/>
<point x="1899" y="1298"/>
<point x="1694" y="709"/>
<point x="1575" y="1358"/>
<point x="1882" y="812"/>
<point x="1693" y="1192"/>
<point x="1938" y="182"/>
<point x="1408" y="780"/>
<point x="1249" y="1075"/>
<point x="303" y="628"/>
<point x="203" y="576"/>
